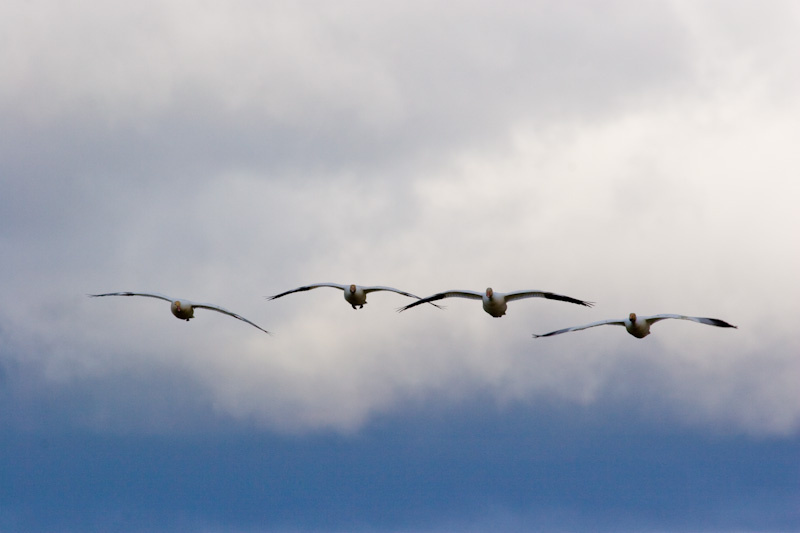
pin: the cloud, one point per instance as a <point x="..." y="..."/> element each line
<point x="623" y="156"/>
<point x="351" y="86"/>
<point x="641" y="156"/>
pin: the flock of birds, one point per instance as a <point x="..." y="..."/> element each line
<point x="494" y="303"/>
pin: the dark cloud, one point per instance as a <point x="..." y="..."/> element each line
<point x="385" y="88"/>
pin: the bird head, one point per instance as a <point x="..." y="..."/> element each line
<point x="489" y="292"/>
<point x="352" y="289"/>
<point x="632" y="317"/>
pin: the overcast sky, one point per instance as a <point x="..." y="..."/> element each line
<point x="640" y="155"/>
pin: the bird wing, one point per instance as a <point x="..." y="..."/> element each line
<point x="226" y="312"/>
<point x="517" y="295"/>
<point x="585" y="326"/>
<point x="308" y="288"/>
<point x="376" y="288"/>
<point x="611" y="322"/>
<point x="472" y="295"/>
<point x="702" y="320"/>
<point x="147" y="294"/>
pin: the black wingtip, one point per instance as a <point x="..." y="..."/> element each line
<point x="419" y="302"/>
<point x="569" y="299"/>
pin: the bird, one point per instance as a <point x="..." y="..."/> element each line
<point x="355" y="295"/>
<point x="495" y="303"/>
<point x="181" y="308"/>
<point x="639" y="326"/>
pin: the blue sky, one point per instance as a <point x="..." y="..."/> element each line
<point x="554" y="467"/>
<point x="639" y="155"/>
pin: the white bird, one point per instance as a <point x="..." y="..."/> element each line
<point x="183" y="309"/>
<point x="639" y="326"/>
<point x="495" y="303"/>
<point x="356" y="295"/>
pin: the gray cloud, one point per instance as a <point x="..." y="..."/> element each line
<point x="623" y="155"/>
<point x="639" y="155"/>
<point x="338" y="87"/>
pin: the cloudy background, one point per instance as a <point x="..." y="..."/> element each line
<point x="642" y="155"/>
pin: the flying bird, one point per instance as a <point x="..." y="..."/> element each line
<point x="639" y="326"/>
<point x="495" y="303"/>
<point x="183" y="309"/>
<point x="356" y="295"/>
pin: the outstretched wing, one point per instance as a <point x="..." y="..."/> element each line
<point x="147" y="294"/>
<point x="376" y="288"/>
<point x="308" y="288"/>
<point x="517" y="295"/>
<point x="226" y="312"/>
<point x="472" y="295"/>
<point x="702" y="320"/>
<point x="585" y="326"/>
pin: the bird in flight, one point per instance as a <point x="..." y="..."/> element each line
<point x="183" y="309"/>
<point x="639" y="326"/>
<point x="355" y="295"/>
<point x="496" y="303"/>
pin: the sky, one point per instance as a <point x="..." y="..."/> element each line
<point x="639" y="155"/>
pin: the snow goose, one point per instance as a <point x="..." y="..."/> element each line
<point x="183" y="309"/>
<point x="639" y="326"/>
<point x="356" y="295"/>
<point x="495" y="303"/>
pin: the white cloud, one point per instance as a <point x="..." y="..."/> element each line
<point x="228" y="154"/>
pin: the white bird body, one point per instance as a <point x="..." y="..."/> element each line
<point x="639" y="326"/>
<point x="182" y="308"/>
<point x="493" y="304"/>
<point x="355" y="295"/>
<point x="496" y="303"/>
